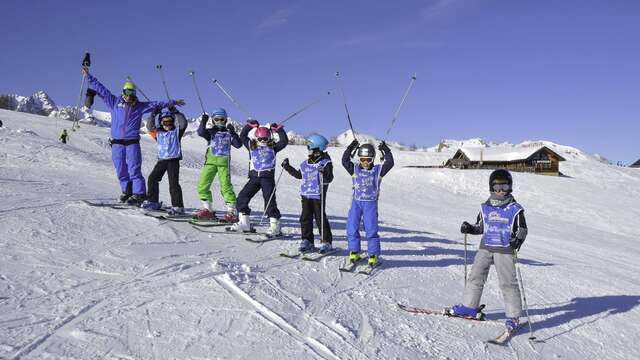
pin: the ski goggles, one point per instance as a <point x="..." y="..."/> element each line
<point x="263" y="139"/>
<point x="219" y="119"/>
<point x="501" y="187"/>
<point x="367" y="160"/>
<point x="167" y="121"/>
<point x="129" y="92"/>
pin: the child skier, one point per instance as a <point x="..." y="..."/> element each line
<point x="220" y="136"/>
<point x="262" y="153"/>
<point x="167" y="130"/>
<point x="366" y="179"/>
<point x="63" y="136"/>
<point x="316" y="173"/>
<point x="503" y="228"/>
<point x="126" y="116"/>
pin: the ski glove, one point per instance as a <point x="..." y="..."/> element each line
<point x="466" y="228"/>
<point x="253" y="123"/>
<point x="204" y="117"/>
<point x="285" y="163"/>
<point x="354" y="144"/>
<point x="231" y="128"/>
<point x="276" y="127"/>
<point x="516" y="243"/>
<point x="383" y="147"/>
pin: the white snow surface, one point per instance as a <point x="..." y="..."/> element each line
<point x="80" y="282"/>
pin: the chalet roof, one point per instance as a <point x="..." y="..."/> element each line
<point x="635" y="164"/>
<point x="503" y="154"/>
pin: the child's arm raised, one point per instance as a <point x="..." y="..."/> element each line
<point x="290" y="169"/>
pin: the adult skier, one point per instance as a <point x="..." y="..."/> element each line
<point x="126" y="117"/>
<point x="503" y="228"/>
<point x="63" y="136"/>
<point x="316" y="173"/>
<point x="262" y="152"/>
<point x="167" y="130"/>
<point x="220" y="135"/>
<point x="366" y="179"/>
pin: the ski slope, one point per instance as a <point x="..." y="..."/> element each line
<point x="79" y="282"/>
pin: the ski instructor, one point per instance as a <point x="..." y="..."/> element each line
<point x="126" y="117"/>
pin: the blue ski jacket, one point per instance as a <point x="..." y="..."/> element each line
<point x="125" y="118"/>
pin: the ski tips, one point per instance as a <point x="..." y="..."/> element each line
<point x="158" y="66"/>
<point x="414" y="76"/>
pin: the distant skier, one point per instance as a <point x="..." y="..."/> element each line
<point x="167" y="130"/>
<point x="503" y="228"/>
<point x="262" y="153"/>
<point x="0" y="123"/>
<point x="126" y="117"/>
<point x="63" y="136"/>
<point x="220" y="136"/>
<point x="366" y="179"/>
<point x="316" y="173"/>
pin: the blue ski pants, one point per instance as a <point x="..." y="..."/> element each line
<point x="127" y="159"/>
<point x="367" y="211"/>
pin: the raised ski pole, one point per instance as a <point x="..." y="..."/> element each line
<point x="164" y="83"/>
<point x="465" y="260"/>
<point x="298" y="112"/>
<point x="524" y="297"/>
<point x="86" y="62"/>
<point x="395" y="115"/>
<point x="271" y="197"/>
<point x="226" y="93"/>
<point x="344" y="100"/>
<point x="129" y="78"/>
<point x="195" y="85"/>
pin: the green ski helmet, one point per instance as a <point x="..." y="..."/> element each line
<point x="129" y="88"/>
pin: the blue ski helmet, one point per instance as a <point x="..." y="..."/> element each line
<point x="219" y="112"/>
<point x="316" y="141"/>
<point x="163" y="115"/>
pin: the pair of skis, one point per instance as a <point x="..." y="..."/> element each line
<point x="252" y="236"/>
<point x="502" y="339"/>
<point x="313" y="255"/>
<point x="160" y="214"/>
<point x="361" y="266"/>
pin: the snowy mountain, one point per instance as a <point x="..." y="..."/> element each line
<point x="81" y="282"/>
<point x="39" y="103"/>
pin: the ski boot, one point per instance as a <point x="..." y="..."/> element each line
<point x="274" y="228"/>
<point x="325" y="248"/>
<point x="354" y="256"/>
<point x="243" y="224"/>
<point x="460" y="310"/>
<point x="136" y="200"/>
<point x="232" y="214"/>
<point x="305" y="246"/>
<point x="512" y="324"/>
<point x="124" y="197"/>
<point x="204" y="214"/>
<point x="373" y="260"/>
<point x="151" y="205"/>
<point x="175" y="211"/>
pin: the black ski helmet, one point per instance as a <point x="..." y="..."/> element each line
<point x="500" y="174"/>
<point x="366" y="151"/>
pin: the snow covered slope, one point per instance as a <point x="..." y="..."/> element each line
<point x="89" y="283"/>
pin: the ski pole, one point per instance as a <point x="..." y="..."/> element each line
<point x="395" y="115"/>
<point x="86" y="62"/>
<point x="296" y="113"/>
<point x="195" y="85"/>
<point x="322" y="238"/>
<point x="524" y="297"/>
<point x="465" y="260"/>
<point x="271" y="197"/>
<point x="130" y="79"/>
<point x="164" y="83"/>
<point x="226" y="93"/>
<point x="344" y="100"/>
<point x="404" y="97"/>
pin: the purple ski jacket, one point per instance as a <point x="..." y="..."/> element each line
<point x="125" y="118"/>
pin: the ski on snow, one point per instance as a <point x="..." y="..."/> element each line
<point x="264" y="237"/>
<point x="312" y="255"/>
<point x="506" y="335"/>
<point x="445" y="312"/>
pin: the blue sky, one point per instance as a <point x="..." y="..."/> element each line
<point x="566" y="71"/>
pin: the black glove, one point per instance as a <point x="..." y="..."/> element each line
<point x="253" y="123"/>
<point x="88" y="101"/>
<point x="173" y="109"/>
<point x="285" y="162"/>
<point x="354" y="144"/>
<point x="204" y="118"/>
<point x="383" y="147"/>
<point x="231" y="128"/>
<point x="321" y="170"/>
<point x="466" y="228"/>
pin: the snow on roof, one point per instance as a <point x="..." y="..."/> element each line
<point x="635" y="164"/>
<point x="502" y="153"/>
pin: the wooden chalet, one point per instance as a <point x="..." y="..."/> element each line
<point x="539" y="160"/>
<point x="635" y="164"/>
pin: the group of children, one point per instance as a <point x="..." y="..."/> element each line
<point x="501" y="220"/>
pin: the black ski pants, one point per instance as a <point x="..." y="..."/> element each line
<point x="172" y="167"/>
<point x="312" y="209"/>
<point x="251" y="188"/>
